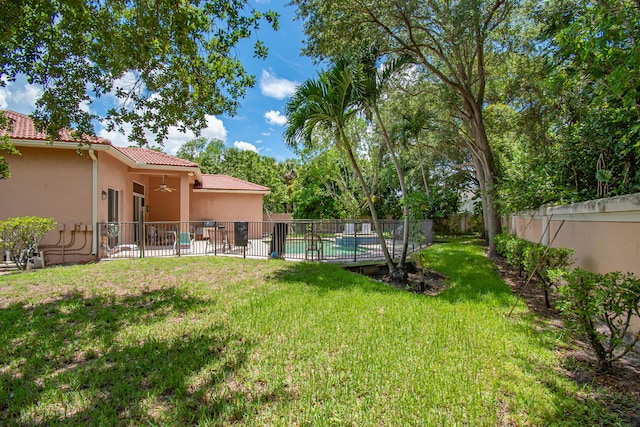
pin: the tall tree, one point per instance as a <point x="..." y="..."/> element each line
<point x="329" y="103"/>
<point x="209" y="154"/>
<point x="594" y="77"/>
<point x="326" y="187"/>
<point x="452" y="40"/>
<point x="372" y="83"/>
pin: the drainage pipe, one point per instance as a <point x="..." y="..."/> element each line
<point x="94" y="198"/>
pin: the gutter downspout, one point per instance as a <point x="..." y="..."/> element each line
<point x="94" y="198"/>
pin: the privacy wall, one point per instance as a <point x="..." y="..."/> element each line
<point x="604" y="233"/>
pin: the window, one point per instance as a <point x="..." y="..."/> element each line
<point x="113" y="209"/>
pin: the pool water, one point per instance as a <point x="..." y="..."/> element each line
<point x="297" y="247"/>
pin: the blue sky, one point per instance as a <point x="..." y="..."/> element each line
<point x="259" y="122"/>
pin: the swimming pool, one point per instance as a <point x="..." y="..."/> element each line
<point x="329" y="248"/>
<point x="359" y="240"/>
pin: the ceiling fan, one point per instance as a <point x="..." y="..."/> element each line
<point x="164" y="188"/>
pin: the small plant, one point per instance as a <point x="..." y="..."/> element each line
<point x="601" y="307"/>
<point x="20" y="237"/>
<point x="533" y="259"/>
<point x="513" y="250"/>
<point x="540" y="260"/>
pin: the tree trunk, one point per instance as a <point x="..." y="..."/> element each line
<point x="393" y="271"/>
<point x="424" y="175"/>
<point x="403" y="190"/>
<point x="487" y="164"/>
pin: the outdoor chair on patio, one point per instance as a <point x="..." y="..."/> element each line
<point x="184" y="243"/>
<point x="217" y="236"/>
<point x="349" y="228"/>
<point x="313" y="243"/>
<point x="152" y="235"/>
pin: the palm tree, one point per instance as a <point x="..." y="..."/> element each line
<point x="329" y="103"/>
<point x="289" y="171"/>
<point x="372" y="82"/>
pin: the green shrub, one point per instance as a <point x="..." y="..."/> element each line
<point x="513" y="250"/>
<point x="540" y="259"/>
<point x="533" y="258"/>
<point x="20" y="237"/>
<point x="501" y="243"/>
<point x="601" y="306"/>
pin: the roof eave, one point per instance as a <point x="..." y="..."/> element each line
<point x="211" y="190"/>
<point x="69" y="145"/>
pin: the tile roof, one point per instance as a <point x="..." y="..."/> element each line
<point x="24" y="128"/>
<point x="229" y="183"/>
<point x="152" y="157"/>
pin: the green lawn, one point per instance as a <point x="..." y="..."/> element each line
<point x="219" y="341"/>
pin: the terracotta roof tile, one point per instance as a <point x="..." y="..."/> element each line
<point x="225" y="182"/>
<point x="24" y="128"/>
<point x="152" y="157"/>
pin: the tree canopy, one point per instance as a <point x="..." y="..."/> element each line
<point x="214" y="158"/>
<point x="168" y="63"/>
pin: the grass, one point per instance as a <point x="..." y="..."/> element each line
<point x="218" y="341"/>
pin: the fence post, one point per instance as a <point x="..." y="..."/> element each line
<point x="141" y="233"/>
<point x="355" y="242"/>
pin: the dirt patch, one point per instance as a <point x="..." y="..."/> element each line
<point x="426" y="282"/>
<point x="618" y="390"/>
<point x="419" y="281"/>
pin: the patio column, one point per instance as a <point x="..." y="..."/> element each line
<point x="184" y="202"/>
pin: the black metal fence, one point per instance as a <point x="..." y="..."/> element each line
<point x="345" y="240"/>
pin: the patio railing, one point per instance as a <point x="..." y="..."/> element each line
<point x="340" y="240"/>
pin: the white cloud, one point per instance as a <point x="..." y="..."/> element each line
<point x="242" y="145"/>
<point x="4" y="95"/>
<point x="28" y="95"/>
<point x="117" y="138"/>
<point x="19" y="95"/>
<point x="215" y="129"/>
<point x="175" y="138"/>
<point x="275" y="87"/>
<point x="84" y="106"/>
<point x="266" y="134"/>
<point x="275" y="118"/>
<point x="126" y="82"/>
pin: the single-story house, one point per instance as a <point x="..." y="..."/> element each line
<point x="82" y="186"/>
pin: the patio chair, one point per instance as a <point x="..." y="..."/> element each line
<point x="217" y="235"/>
<point x="349" y="228"/>
<point x="366" y="228"/>
<point x="313" y="244"/>
<point x="184" y="242"/>
<point x="152" y="235"/>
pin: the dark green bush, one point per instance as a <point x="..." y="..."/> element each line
<point x="539" y="260"/>
<point x="20" y="237"/>
<point x="533" y="259"/>
<point x="601" y="307"/>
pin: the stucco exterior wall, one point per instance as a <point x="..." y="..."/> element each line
<point x="213" y="206"/>
<point x="112" y="174"/>
<point x="605" y="234"/>
<point x="53" y="183"/>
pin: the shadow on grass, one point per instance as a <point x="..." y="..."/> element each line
<point x="325" y="278"/>
<point x="73" y="361"/>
